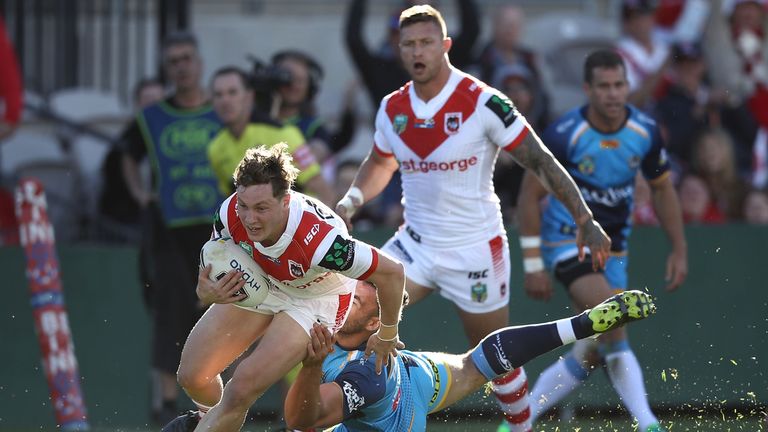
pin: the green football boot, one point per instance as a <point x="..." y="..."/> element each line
<point x="621" y="309"/>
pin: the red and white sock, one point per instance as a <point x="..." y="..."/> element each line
<point x="511" y="392"/>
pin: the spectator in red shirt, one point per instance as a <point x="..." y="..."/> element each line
<point x="697" y="203"/>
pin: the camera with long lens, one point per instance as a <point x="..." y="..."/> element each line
<point x="266" y="79"/>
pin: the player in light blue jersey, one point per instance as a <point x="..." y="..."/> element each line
<point x="338" y="385"/>
<point x="602" y="145"/>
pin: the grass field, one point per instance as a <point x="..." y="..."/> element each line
<point x="722" y="422"/>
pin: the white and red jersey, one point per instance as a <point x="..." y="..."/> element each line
<point x="313" y="257"/>
<point x="447" y="150"/>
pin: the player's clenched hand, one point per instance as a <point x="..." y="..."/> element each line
<point x="538" y="285"/>
<point x="591" y="235"/>
<point x="383" y="349"/>
<point x="348" y="205"/>
<point x="223" y="290"/>
<point x="319" y="346"/>
<point x="345" y="214"/>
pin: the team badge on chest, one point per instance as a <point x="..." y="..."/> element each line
<point x="246" y="247"/>
<point x="296" y="269"/>
<point x="399" y="123"/>
<point x="587" y="166"/>
<point x="452" y="123"/>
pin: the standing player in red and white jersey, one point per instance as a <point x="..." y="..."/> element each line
<point x="444" y="130"/>
<point x="313" y="265"/>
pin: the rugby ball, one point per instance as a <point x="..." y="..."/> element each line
<point x="224" y="256"/>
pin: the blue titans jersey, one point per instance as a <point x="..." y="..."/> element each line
<point x="398" y="399"/>
<point x="604" y="166"/>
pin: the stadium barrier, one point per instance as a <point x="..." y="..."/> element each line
<point x="706" y="348"/>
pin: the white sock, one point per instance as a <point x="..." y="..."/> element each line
<point x="511" y="392"/>
<point x="560" y="379"/>
<point x="627" y="378"/>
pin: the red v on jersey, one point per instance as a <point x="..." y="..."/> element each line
<point x="422" y="136"/>
<point x="296" y="259"/>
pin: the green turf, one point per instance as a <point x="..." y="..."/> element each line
<point x="705" y="423"/>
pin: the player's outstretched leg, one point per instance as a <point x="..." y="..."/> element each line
<point x="183" y="423"/>
<point x="621" y="309"/>
<point x="512" y="347"/>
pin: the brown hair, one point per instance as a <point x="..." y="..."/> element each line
<point x="602" y="58"/>
<point x="226" y="70"/>
<point x="263" y="165"/>
<point x="422" y="13"/>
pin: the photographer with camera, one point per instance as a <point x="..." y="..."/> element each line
<point x="295" y="103"/>
<point x="244" y="127"/>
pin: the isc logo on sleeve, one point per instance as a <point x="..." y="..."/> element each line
<point x="311" y="234"/>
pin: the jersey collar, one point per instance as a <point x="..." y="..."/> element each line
<point x="428" y="109"/>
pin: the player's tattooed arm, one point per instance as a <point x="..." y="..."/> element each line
<point x="535" y="157"/>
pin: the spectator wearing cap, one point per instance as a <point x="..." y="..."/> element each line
<point x="737" y="56"/>
<point x="645" y="52"/>
<point x="686" y="105"/>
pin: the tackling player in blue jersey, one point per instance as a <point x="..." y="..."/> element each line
<point x="602" y="145"/>
<point x="338" y="384"/>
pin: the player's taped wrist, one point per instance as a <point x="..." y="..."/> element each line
<point x="533" y="264"/>
<point x="387" y="332"/>
<point x="352" y="200"/>
<point x="393" y="338"/>
<point x="530" y="242"/>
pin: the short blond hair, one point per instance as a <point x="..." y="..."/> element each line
<point x="423" y="13"/>
<point x="263" y="165"/>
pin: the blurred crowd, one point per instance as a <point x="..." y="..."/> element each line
<point x="698" y="67"/>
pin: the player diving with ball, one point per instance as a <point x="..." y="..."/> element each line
<point x="313" y="266"/>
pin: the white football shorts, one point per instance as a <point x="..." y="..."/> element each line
<point x="329" y="310"/>
<point x="474" y="277"/>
